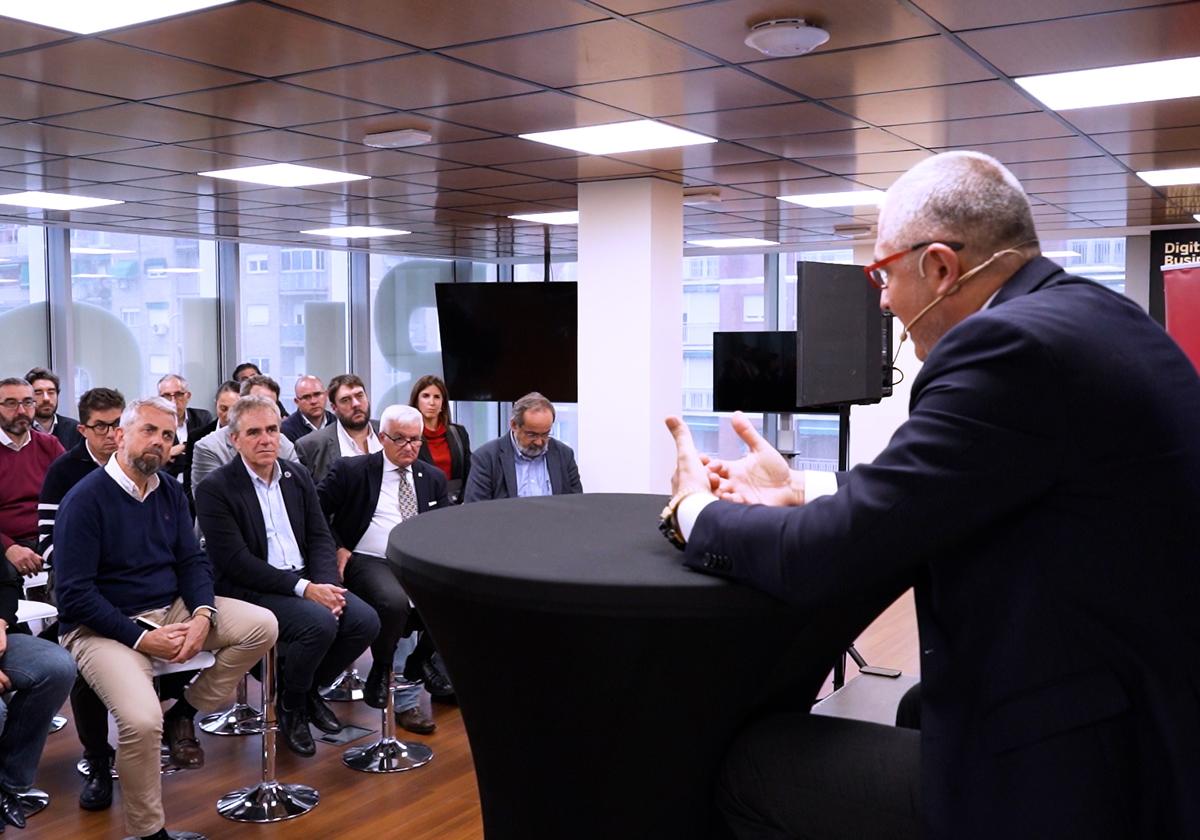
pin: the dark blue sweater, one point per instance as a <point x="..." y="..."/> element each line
<point x="115" y="557"/>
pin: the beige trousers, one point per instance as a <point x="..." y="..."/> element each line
<point x="123" y="679"/>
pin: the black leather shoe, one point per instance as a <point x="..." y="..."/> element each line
<point x="97" y="790"/>
<point x="293" y="726"/>
<point x="376" y="689"/>
<point x="11" y="811"/>
<point x="436" y="682"/>
<point x="320" y="715"/>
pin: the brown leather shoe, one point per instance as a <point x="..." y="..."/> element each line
<point x="179" y="734"/>
<point x="415" y="720"/>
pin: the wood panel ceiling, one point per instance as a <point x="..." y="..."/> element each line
<point x="134" y="113"/>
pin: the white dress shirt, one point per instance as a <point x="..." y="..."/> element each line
<point x="283" y="552"/>
<point x="387" y="510"/>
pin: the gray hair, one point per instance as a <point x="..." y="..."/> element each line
<point x="401" y="415"/>
<point x="130" y="414"/>
<point x="960" y="196"/>
<point x="183" y="382"/>
<point x="245" y="405"/>
<point x="533" y="401"/>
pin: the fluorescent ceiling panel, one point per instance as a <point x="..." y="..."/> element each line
<point x="88" y="16"/>
<point x="54" y="201"/>
<point x="1171" y="177"/>
<point x="851" y="198"/>
<point x="284" y="175"/>
<point x="1149" y="82"/>
<point x="566" y="217"/>
<point x="745" y="242"/>
<point x="613" y="138"/>
<point x="356" y="232"/>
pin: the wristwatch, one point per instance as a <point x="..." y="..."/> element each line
<point x="668" y="520"/>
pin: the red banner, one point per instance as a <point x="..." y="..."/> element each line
<point x="1181" y="287"/>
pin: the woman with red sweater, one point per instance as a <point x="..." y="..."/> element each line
<point x="446" y="444"/>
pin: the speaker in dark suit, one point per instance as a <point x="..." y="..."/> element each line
<point x="1042" y="498"/>
<point x="270" y="545"/>
<point x="364" y="499"/>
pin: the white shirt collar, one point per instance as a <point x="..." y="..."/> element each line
<point x="7" y="441"/>
<point x="276" y="474"/>
<point x="113" y="468"/>
<point x="92" y="454"/>
<point x="349" y="446"/>
<point x="310" y="424"/>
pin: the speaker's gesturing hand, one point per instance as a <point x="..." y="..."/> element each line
<point x="760" y="477"/>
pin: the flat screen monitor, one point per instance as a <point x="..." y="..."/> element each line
<point x="502" y="340"/>
<point x="840" y="334"/>
<point x="754" y="371"/>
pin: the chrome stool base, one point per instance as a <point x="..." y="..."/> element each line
<point x="345" y="689"/>
<point x="387" y="756"/>
<point x="178" y="835"/>
<point x="33" y="800"/>
<point x="57" y="722"/>
<point x="84" y="768"/>
<point x="268" y="802"/>
<point x="240" y="719"/>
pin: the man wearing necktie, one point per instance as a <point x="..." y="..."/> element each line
<point x="365" y="498"/>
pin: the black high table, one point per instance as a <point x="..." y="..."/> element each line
<point x="600" y="681"/>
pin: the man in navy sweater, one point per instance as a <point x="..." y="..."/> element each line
<point x="133" y="583"/>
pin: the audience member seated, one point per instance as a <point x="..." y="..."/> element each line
<point x="353" y="434"/>
<point x="270" y="545"/>
<point x="45" y="414"/>
<point x="25" y="456"/>
<point x="217" y="450"/>
<point x="227" y="394"/>
<point x="525" y="462"/>
<point x="188" y="421"/>
<point x="247" y="369"/>
<point x="446" y="445"/>
<point x="99" y="416"/>
<point x="38" y="674"/>
<point x="133" y="583"/>
<point x="311" y="414"/>
<point x="365" y="498"/>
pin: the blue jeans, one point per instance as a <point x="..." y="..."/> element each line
<point x="407" y="698"/>
<point x="42" y="674"/>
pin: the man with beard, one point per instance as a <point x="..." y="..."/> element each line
<point x="353" y="434"/>
<point x="525" y="462"/>
<point x="133" y="583"/>
<point x="25" y="456"/>
<point x="45" y="415"/>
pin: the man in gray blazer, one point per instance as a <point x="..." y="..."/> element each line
<point x="525" y="462"/>
<point x="216" y="449"/>
<point x="354" y="433"/>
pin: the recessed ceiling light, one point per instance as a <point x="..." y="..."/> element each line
<point x="633" y="136"/>
<point x="356" y="232"/>
<point x="88" y="16"/>
<point x="851" y="198"/>
<point x="566" y="217"/>
<point x="746" y="242"/>
<point x="1149" y="82"/>
<point x="1171" y="177"/>
<point x="79" y="250"/>
<point x="284" y="175"/>
<point x="55" y="201"/>
<point x="1060" y="255"/>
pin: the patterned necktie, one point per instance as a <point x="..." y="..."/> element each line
<point x="408" y="497"/>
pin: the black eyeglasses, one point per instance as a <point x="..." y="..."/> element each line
<point x="875" y="271"/>
<point x="13" y="405"/>
<point x="401" y="440"/>
<point x="102" y="428"/>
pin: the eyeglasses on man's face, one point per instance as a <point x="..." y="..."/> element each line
<point x="175" y="395"/>
<point x="13" y="405"/>
<point x="534" y="437"/>
<point x="102" y="428"/>
<point x="402" y="441"/>
<point x="877" y="272"/>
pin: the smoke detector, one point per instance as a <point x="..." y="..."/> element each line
<point x="785" y="37"/>
<point x="398" y="139"/>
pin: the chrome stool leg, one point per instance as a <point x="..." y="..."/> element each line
<point x="268" y="801"/>
<point x="84" y="768"/>
<point x="387" y="755"/>
<point x="57" y="722"/>
<point x="239" y="719"/>
<point x="33" y="800"/>
<point x="346" y="688"/>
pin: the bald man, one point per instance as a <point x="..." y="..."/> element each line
<point x="311" y="413"/>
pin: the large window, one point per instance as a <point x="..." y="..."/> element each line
<point x="1102" y="260"/>
<point x="22" y="299"/>
<point x="293" y="319"/>
<point x="173" y="283"/>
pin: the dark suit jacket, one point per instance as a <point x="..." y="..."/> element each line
<point x="235" y="534"/>
<point x="295" y="427"/>
<point x="319" y="450"/>
<point x="66" y="429"/>
<point x="350" y="492"/>
<point x="1043" y="497"/>
<point x="494" y="470"/>
<point x="196" y="419"/>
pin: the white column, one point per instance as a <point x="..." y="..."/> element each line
<point x="630" y="332"/>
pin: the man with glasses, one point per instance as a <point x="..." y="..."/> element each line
<point x="1041" y="498"/>
<point x="45" y="416"/>
<point x="527" y="461"/>
<point x="25" y="456"/>
<point x="189" y="422"/>
<point x="365" y="498"/>
<point x="311" y="414"/>
<point x="353" y="434"/>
